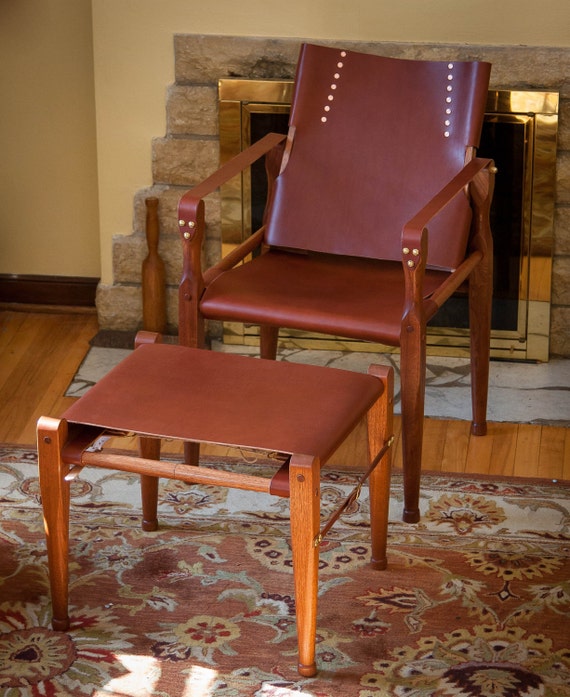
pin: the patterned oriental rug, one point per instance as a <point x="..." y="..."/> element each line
<point x="475" y="602"/>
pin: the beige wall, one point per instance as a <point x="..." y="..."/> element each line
<point x="133" y="65"/>
<point x="134" y="56"/>
<point x="48" y="173"/>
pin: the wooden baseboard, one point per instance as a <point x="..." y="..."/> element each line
<point x="48" y="290"/>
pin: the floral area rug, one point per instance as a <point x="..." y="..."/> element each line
<point x="475" y="601"/>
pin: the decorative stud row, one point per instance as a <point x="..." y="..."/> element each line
<point x="448" y="101"/>
<point x="334" y="84"/>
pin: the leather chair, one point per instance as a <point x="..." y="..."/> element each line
<point x="378" y="211"/>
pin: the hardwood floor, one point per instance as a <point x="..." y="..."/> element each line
<point x="41" y="351"/>
<point x="39" y="355"/>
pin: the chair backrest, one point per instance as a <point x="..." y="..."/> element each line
<point x="371" y="140"/>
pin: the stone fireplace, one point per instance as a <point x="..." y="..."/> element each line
<point x="190" y="150"/>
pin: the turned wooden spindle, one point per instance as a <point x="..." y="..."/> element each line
<point x="153" y="274"/>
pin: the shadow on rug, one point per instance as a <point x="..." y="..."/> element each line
<point x="475" y="602"/>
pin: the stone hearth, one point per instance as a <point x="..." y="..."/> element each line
<point x="189" y="151"/>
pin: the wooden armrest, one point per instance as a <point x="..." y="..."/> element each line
<point x="415" y="244"/>
<point x="191" y="223"/>
<point x="188" y="205"/>
<point x="412" y="230"/>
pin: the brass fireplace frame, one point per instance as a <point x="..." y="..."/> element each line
<point x="536" y="111"/>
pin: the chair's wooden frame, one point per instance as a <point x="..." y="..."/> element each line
<point x="477" y="180"/>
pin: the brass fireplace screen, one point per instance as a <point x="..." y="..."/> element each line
<point x="519" y="133"/>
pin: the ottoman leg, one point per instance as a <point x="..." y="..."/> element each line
<point x="380" y="430"/>
<point x="149" y="449"/>
<point x="55" y="493"/>
<point x="305" y="498"/>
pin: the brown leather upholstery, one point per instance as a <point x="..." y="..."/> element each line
<point x="317" y="293"/>
<point x="354" y="179"/>
<point x="377" y="214"/>
<point x="229" y="400"/>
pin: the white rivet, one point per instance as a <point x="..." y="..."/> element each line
<point x="448" y="111"/>
<point x="187" y="235"/>
<point x="327" y="108"/>
<point x="450" y="77"/>
<point x="449" y="88"/>
<point x="415" y="252"/>
<point x="448" y="100"/>
<point x="343" y="54"/>
<point x="450" y="66"/>
<point x="410" y="263"/>
<point x="330" y="97"/>
<point x="339" y="65"/>
<point x="446" y="134"/>
<point x="447" y="122"/>
<point x="333" y="86"/>
<point x="324" y="119"/>
<point x="406" y="250"/>
<point x="191" y="224"/>
<point x="336" y="76"/>
<point x="181" y="223"/>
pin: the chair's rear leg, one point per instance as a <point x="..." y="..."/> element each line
<point x="412" y="391"/>
<point x="380" y="431"/>
<point x="480" y="308"/>
<point x="268" y="338"/>
<point x="305" y="500"/>
<point x="55" y="493"/>
<point x="191" y="328"/>
<point x="149" y="449"/>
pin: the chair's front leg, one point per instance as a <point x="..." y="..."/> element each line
<point x="304" y="480"/>
<point x="55" y="493"/>
<point x="149" y="449"/>
<point x="380" y="433"/>
<point x="412" y="391"/>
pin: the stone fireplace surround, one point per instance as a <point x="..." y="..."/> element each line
<point x="189" y="152"/>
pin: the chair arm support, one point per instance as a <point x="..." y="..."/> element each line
<point x="235" y="256"/>
<point x="191" y="224"/>
<point x="191" y="215"/>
